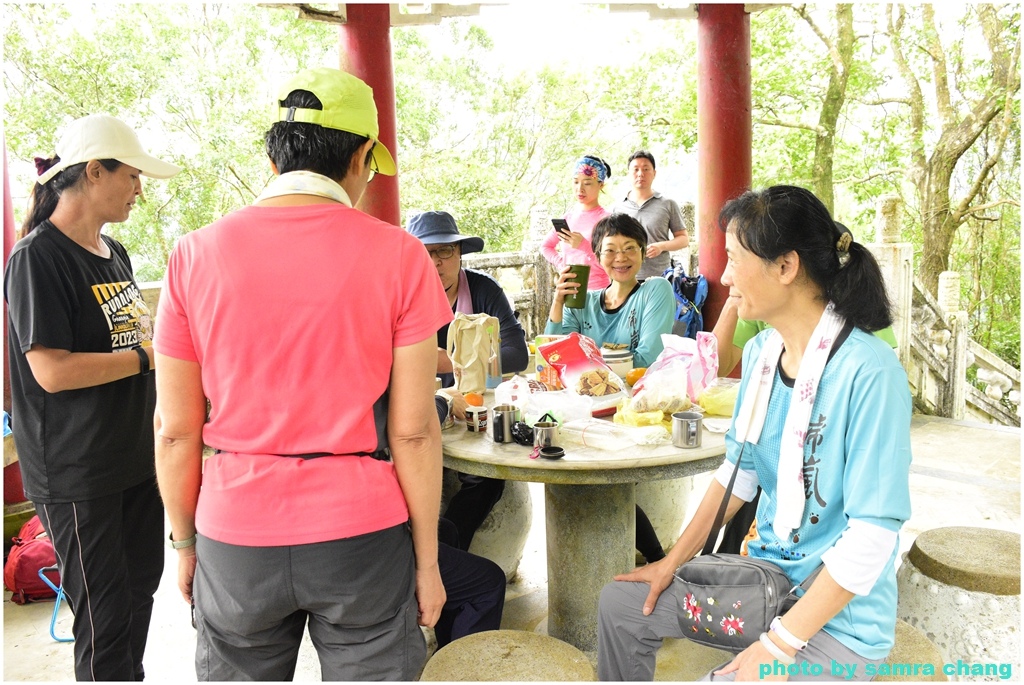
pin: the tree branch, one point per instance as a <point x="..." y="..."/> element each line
<point x="833" y="52"/>
<point x="887" y="172"/>
<point x="939" y="68"/>
<point x="775" y="121"/>
<point x="1001" y="135"/>
<point x="990" y="205"/>
<point x="884" y="101"/>
<point x="916" y="98"/>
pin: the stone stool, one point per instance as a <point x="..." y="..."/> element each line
<point x="961" y="587"/>
<point x="911" y="652"/>
<point x="685" y="661"/>
<point x="665" y="503"/>
<point x="502" y="536"/>
<point x="508" y="655"/>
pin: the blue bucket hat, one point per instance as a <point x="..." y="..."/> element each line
<point x="438" y="228"/>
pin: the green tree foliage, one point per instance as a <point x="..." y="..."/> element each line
<point x="193" y="79"/>
<point x="488" y="145"/>
<point x="930" y="113"/>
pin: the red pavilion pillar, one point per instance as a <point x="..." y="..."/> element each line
<point x="723" y="134"/>
<point x="8" y="244"/>
<point x="365" y="51"/>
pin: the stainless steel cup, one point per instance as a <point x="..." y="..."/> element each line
<point x="686" y="429"/>
<point x="545" y="433"/>
<point x="502" y="418"/>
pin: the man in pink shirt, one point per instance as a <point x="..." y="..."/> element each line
<point x="320" y="506"/>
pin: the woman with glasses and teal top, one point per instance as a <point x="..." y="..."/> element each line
<point x="574" y="247"/>
<point x="626" y="313"/>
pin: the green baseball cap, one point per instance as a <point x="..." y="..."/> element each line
<point x="348" y="106"/>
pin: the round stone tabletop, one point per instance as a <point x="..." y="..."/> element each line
<point x="976" y="559"/>
<point x="478" y="454"/>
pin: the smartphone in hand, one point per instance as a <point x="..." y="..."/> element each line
<point x="561" y="227"/>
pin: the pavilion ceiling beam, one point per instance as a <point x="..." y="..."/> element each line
<point x="421" y="13"/>
<point x="311" y="12"/>
<point x="417" y="14"/>
<point x="657" y="10"/>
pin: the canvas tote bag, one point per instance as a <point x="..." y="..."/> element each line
<point x="474" y="346"/>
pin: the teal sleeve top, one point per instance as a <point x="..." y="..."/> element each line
<point x="647" y="313"/>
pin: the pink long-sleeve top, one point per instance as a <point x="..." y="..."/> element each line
<point x="560" y="254"/>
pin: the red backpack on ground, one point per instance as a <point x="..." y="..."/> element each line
<point x="32" y="551"/>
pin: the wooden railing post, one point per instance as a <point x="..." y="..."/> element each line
<point x="953" y="402"/>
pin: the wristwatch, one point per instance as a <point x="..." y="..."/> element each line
<point x="143" y="360"/>
<point x="448" y="419"/>
<point x="182" y="544"/>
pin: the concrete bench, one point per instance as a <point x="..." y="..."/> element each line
<point x="960" y="586"/>
<point x="682" y="660"/>
<point x="502" y="535"/>
<point x="508" y="655"/>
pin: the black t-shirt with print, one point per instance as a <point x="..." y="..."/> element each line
<point x="90" y="442"/>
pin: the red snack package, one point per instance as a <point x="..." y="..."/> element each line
<point x="582" y="370"/>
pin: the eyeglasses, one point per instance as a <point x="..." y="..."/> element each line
<point x="630" y="253"/>
<point x="442" y="252"/>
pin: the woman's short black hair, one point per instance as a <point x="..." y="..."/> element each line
<point x="781" y="219"/>
<point x="618" y="224"/>
<point x="299" y="146"/>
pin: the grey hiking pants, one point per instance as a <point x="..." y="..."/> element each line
<point x="628" y="641"/>
<point x="357" y="595"/>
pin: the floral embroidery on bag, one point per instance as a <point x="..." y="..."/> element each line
<point x="693" y="607"/>
<point x="732" y="625"/>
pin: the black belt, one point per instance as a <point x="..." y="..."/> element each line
<point x="380" y="455"/>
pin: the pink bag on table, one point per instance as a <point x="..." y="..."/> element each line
<point x="684" y="362"/>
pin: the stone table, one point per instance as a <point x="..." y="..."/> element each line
<point x="590" y="511"/>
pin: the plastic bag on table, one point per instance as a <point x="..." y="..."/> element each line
<point x="676" y="378"/>
<point x="604" y="435"/>
<point x="627" y="415"/>
<point x="719" y="397"/>
<point x="516" y="390"/>
<point x="562" y="404"/>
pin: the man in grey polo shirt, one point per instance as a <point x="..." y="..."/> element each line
<point x="659" y="215"/>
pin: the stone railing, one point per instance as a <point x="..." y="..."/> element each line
<point x="944" y="349"/>
<point x="526" y="278"/>
<point x="934" y="340"/>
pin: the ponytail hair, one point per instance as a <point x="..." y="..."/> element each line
<point x="775" y="221"/>
<point x="44" y="197"/>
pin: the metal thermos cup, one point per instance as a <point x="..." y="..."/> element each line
<point x="582" y="274"/>
<point x="545" y="434"/>
<point x="686" y="429"/>
<point x="502" y="418"/>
